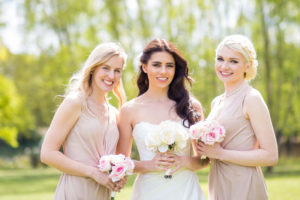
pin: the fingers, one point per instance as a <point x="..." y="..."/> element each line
<point x="175" y="169"/>
<point x="110" y="185"/>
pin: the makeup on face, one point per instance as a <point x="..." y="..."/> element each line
<point x="107" y="76"/>
<point x="160" y="69"/>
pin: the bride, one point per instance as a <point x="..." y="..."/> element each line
<point x="162" y="96"/>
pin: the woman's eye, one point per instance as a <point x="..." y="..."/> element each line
<point x="118" y="70"/>
<point x="170" y="65"/>
<point x="234" y="61"/>
<point x="156" y="64"/>
<point x="220" y="59"/>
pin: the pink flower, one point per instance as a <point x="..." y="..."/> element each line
<point x="117" y="173"/>
<point x="116" y="165"/>
<point x="208" y="131"/>
<point x="104" y="164"/>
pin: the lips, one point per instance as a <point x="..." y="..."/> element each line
<point x="108" y="83"/>
<point x="226" y="73"/>
<point x="163" y="79"/>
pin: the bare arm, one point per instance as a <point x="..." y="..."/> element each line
<point x="191" y="162"/>
<point x="64" y="119"/>
<point x="257" y="112"/>
<point x="125" y="143"/>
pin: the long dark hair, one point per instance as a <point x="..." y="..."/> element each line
<point x="177" y="89"/>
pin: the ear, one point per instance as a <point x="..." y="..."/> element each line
<point x="144" y="67"/>
<point x="248" y="66"/>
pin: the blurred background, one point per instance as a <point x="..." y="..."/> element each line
<point x="43" y="42"/>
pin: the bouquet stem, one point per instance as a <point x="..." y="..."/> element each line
<point x="167" y="174"/>
<point x="203" y="158"/>
<point x="112" y="196"/>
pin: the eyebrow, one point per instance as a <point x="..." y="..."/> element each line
<point x="229" y="58"/>
<point x="161" y="62"/>
<point x="106" y="65"/>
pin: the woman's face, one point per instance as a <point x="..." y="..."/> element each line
<point x="160" y="69"/>
<point x="108" y="75"/>
<point x="230" y="65"/>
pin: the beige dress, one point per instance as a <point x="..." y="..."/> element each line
<point x="86" y="143"/>
<point x="228" y="181"/>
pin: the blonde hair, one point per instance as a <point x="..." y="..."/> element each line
<point x="81" y="82"/>
<point x="244" y="46"/>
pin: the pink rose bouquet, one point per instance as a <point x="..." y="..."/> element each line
<point x="117" y="166"/>
<point x="207" y="131"/>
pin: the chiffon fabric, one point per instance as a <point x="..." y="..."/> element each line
<point x="184" y="184"/>
<point x="86" y="143"/>
<point x="228" y="181"/>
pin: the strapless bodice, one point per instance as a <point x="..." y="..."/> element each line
<point x="139" y="133"/>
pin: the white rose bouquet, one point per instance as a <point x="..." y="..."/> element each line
<point x="117" y="166"/>
<point x="169" y="136"/>
<point x="207" y="131"/>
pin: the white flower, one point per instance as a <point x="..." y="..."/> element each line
<point x="153" y="140"/>
<point x="116" y="159"/>
<point x="169" y="135"/>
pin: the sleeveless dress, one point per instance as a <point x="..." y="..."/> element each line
<point x="86" y="143"/>
<point x="228" y="181"/>
<point x="183" y="185"/>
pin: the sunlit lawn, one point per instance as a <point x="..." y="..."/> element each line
<point x="39" y="184"/>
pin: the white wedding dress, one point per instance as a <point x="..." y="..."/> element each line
<point x="183" y="185"/>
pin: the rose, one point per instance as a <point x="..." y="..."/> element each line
<point x="181" y="138"/>
<point x="153" y="140"/>
<point x="208" y="131"/>
<point x="104" y="164"/>
<point x="116" y="159"/>
<point x="198" y="130"/>
<point x="117" y="173"/>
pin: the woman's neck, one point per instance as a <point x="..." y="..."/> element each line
<point x="157" y="94"/>
<point x="230" y="88"/>
<point x="98" y="97"/>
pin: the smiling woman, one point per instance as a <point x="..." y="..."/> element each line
<point x="85" y="124"/>
<point x="235" y="169"/>
<point x="163" y="99"/>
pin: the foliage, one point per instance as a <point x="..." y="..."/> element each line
<point x="14" y="116"/>
<point x="66" y="31"/>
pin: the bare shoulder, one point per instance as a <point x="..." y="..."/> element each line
<point x="196" y="104"/>
<point x="254" y="104"/>
<point x="72" y="104"/>
<point x="254" y="98"/>
<point x="129" y="108"/>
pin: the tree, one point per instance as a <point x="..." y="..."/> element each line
<point x="14" y="116"/>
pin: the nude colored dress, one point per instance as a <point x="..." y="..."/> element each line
<point x="229" y="181"/>
<point x="87" y="142"/>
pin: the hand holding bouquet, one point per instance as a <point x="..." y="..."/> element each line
<point x="207" y="131"/>
<point x="169" y="136"/>
<point x="117" y="166"/>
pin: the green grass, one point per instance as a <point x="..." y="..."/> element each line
<point x="40" y="184"/>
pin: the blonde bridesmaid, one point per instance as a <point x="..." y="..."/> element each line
<point x="85" y="126"/>
<point x="250" y="142"/>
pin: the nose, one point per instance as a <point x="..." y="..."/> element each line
<point x="163" y="69"/>
<point x="111" y="74"/>
<point x="224" y="65"/>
